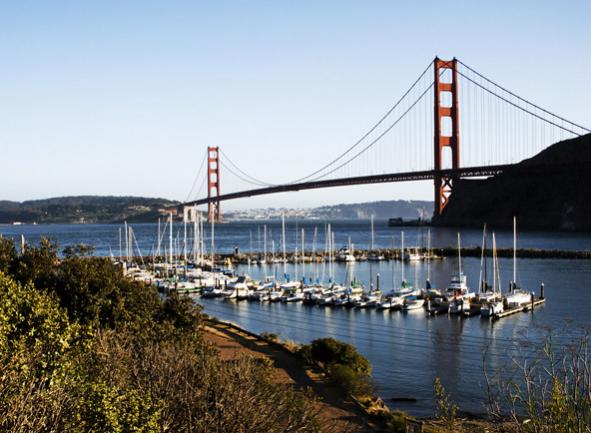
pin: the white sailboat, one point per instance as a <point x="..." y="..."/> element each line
<point x="346" y="254"/>
<point x="373" y="255"/>
<point x="516" y="296"/>
<point x="412" y="303"/>
<point x="493" y="305"/>
<point x="457" y="292"/>
<point x="430" y="291"/>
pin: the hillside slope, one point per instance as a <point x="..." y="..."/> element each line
<point x="82" y="209"/>
<point x="558" y="200"/>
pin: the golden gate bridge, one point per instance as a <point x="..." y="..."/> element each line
<point x="418" y="138"/>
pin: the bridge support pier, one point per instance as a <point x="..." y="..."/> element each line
<point x="447" y="130"/>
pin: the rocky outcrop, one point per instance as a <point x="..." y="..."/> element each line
<point x="557" y="199"/>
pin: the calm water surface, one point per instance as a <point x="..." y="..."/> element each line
<point x="407" y="350"/>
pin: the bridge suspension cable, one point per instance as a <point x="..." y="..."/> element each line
<point x="241" y="177"/>
<point x="379" y="137"/>
<point x="239" y="173"/>
<point x="371" y="130"/>
<point x="520" y="98"/>
<point x="519" y="107"/>
<point x="253" y="180"/>
<point x="197" y="177"/>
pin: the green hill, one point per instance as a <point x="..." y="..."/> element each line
<point x="82" y="209"/>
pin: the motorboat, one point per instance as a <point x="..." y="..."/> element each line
<point x="412" y="303"/>
<point x="369" y="300"/>
<point x="390" y="303"/>
<point x="345" y="255"/>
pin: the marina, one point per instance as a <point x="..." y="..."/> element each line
<point x="379" y="329"/>
<point x="189" y="270"/>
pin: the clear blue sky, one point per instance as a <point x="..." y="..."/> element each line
<point x="122" y="97"/>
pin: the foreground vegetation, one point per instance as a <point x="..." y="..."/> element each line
<point x="83" y="349"/>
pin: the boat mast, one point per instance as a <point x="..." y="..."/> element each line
<point x="303" y="254"/>
<point x="514" y="251"/>
<point x="265" y="243"/>
<point x="372" y="235"/>
<point x="185" y="240"/>
<point x="459" y="255"/>
<point x="392" y="262"/>
<point x="126" y="241"/>
<point x="314" y="238"/>
<point x="402" y="252"/>
<point x="120" y="247"/>
<point x="202" y="240"/>
<point x="212" y="243"/>
<point x="158" y="249"/>
<point x="283" y="242"/>
<point x="332" y="254"/>
<point x="429" y="255"/>
<point x="170" y="249"/>
<point x="480" y="278"/>
<point x="495" y="268"/>
<point x="295" y="255"/>
<point x="196" y="235"/>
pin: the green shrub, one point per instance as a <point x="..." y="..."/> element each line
<point x="84" y="349"/>
<point x="346" y="368"/>
<point x="446" y="409"/>
<point x="330" y="352"/>
<point x="349" y="380"/>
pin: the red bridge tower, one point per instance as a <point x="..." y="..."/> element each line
<point x="213" y="184"/>
<point x="447" y="130"/>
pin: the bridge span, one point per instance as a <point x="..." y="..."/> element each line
<point x="358" y="180"/>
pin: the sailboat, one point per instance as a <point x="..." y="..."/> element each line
<point x="412" y="303"/>
<point x="395" y="298"/>
<point x="516" y="296"/>
<point x="458" y="293"/>
<point x="430" y="291"/>
<point x="485" y="291"/>
<point x="493" y="305"/>
<point x="373" y="255"/>
<point x="263" y="260"/>
<point x="346" y="254"/>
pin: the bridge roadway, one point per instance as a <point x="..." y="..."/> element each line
<point x="358" y="180"/>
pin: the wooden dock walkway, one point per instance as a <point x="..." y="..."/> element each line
<point x="526" y="307"/>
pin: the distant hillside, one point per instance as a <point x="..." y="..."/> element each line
<point x="108" y="209"/>
<point x="558" y="200"/>
<point x="406" y="209"/>
<point x="82" y="209"/>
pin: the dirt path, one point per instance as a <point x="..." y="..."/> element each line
<point x="335" y="413"/>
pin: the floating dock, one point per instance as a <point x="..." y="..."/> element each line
<point x="530" y="306"/>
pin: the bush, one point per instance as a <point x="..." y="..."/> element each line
<point x="550" y="394"/>
<point x="346" y="368"/>
<point x="38" y="346"/>
<point x="446" y="409"/>
<point x="331" y="352"/>
<point x="349" y="380"/>
<point x="186" y="387"/>
<point x="84" y="349"/>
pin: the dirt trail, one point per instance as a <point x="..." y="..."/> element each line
<point x="335" y="413"/>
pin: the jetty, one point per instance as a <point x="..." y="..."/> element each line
<point x="523" y="308"/>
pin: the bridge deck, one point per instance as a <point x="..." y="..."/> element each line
<point x="359" y="180"/>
